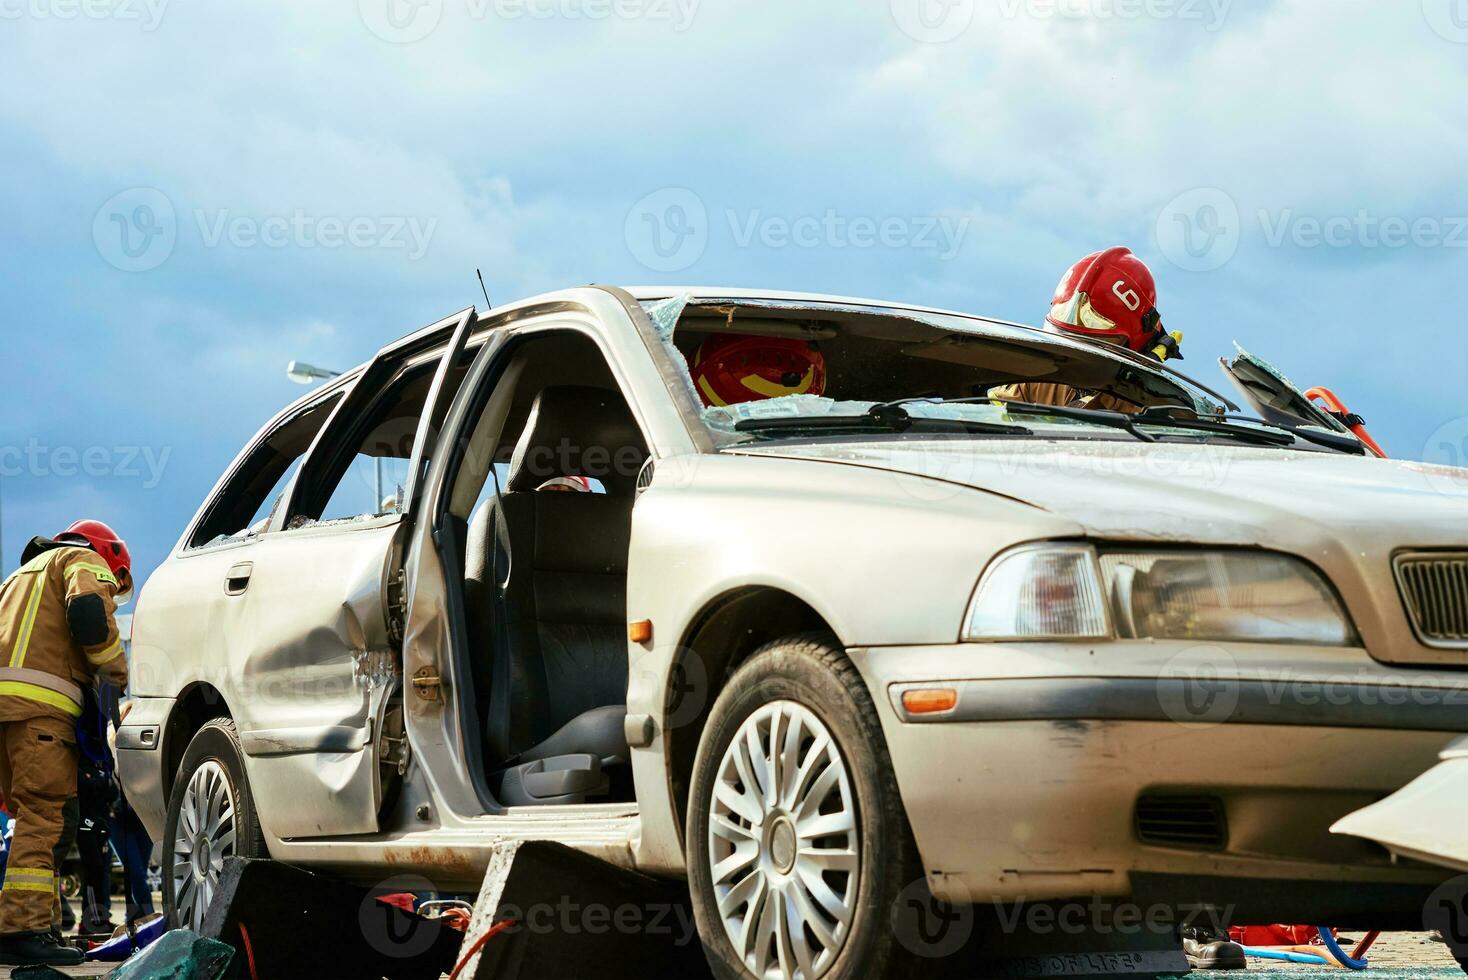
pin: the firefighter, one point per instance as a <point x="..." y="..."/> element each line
<point x="58" y="632"/>
<point x="1108" y="296"/>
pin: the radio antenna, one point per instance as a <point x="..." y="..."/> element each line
<point x="487" y="304"/>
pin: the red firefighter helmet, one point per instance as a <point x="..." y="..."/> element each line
<point x="733" y="368"/>
<point x="105" y="542"/>
<point x="1111" y="295"/>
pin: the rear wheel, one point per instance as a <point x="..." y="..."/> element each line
<point x="798" y="846"/>
<point x="211" y="816"/>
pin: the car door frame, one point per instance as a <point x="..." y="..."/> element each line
<point x="317" y="774"/>
<point x="442" y="724"/>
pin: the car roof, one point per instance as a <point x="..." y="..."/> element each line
<point x="704" y="294"/>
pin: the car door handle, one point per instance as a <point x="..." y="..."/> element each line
<point x="238" y="578"/>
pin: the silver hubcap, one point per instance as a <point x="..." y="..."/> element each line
<point x="205" y="836"/>
<point x="784" y="850"/>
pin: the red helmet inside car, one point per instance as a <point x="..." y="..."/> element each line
<point x="733" y="368"/>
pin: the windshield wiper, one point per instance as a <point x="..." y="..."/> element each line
<point x="1195" y="423"/>
<point x="885" y="417"/>
<point x="1278" y="434"/>
<point x="1099" y="416"/>
<point x="1342" y="443"/>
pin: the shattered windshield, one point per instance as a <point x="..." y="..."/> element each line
<point x="752" y="364"/>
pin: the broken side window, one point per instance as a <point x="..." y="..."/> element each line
<point x="243" y="509"/>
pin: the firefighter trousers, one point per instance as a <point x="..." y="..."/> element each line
<point x="38" y="758"/>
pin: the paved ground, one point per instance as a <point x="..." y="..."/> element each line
<point x="1396" y="956"/>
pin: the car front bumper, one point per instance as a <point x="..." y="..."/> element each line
<point x="1028" y="788"/>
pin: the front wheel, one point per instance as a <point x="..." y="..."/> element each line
<point x="211" y="816"/>
<point x="798" y="847"/>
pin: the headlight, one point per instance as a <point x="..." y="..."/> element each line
<point x="1045" y="592"/>
<point x="1065" y="592"/>
<point x="1250" y="596"/>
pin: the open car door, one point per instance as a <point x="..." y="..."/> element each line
<point x="319" y="605"/>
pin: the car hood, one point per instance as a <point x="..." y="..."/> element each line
<point x="1209" y="492"/>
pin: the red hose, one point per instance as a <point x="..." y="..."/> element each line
<point x="479" y="943"/>
<point x="1336" y="407"/>
<point x="249" y="951"/>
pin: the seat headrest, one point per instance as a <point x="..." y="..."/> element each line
<point x="578" y="431"/>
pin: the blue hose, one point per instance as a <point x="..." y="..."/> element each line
<point x="1328" y="938"/>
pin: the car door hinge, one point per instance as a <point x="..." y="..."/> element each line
<point x="427" y="683"/>
<point x="397" y="606"/>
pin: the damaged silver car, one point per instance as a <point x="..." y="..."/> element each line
<point x="804" y="651"/>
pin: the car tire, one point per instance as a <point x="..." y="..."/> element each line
<point x="211" y="816"/>
<point x="808" y="686"/>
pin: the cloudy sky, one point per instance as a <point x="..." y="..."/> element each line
<point x="197" y="192"/>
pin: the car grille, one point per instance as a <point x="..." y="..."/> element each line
<point x="1193" y="822"/>
<point x="1435" y="591"/>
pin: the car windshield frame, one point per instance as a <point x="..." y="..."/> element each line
<point x="666" y="315"/>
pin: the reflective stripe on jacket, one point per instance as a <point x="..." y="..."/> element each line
<point x="42" y="666"/>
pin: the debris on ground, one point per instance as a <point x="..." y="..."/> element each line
<point x="179" y="955"/>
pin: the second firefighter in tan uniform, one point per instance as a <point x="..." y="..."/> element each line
<point x="57" y="632"/>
